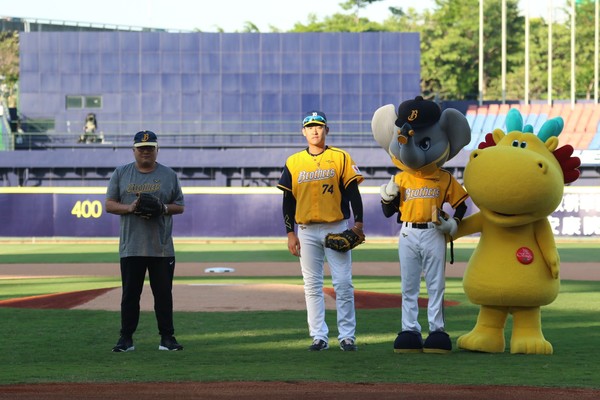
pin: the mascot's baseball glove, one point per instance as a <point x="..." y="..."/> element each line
<point x="346" y="240"/>
<point x="149" y="206"/>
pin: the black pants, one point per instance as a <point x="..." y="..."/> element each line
<point x="133" y="273"/>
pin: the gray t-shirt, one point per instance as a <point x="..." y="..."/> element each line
<point x="139" y="236"/>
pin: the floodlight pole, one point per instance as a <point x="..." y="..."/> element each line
<point x="572" y="54"/>
<point x="480" y="52"/>
<point x="550" y="23"/>
<point x="503" y="51"/>
<point x="527" y="54"/>
<point x="596" y="52"/>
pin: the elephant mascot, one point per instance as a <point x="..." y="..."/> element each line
<point x="420" y="138"/>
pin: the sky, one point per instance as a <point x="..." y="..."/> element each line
<point x="213" y="15"/>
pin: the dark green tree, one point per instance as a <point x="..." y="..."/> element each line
<point x="584" y="48"/>
<point x="356" y="5"/>
<point x="9" y="57"/>
<point x="561" y="61"/>
<point x="450" y="49"/>
<point x="250" y="27"/>
<point x="337" y="23"/>
<point x="538" y="65"/>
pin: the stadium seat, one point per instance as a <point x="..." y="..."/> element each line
<point x="534" y="118"/>
<point x="471" y="114"/>
<point x="476" y="128"/>
<point x="504" y="108"/>
<point x="570" y="115"/>
<point x="501" y="122"/>
<point x="586" y="115"/>
<point x="592" y="124"/>
<point x="524" y="109"/>
<point x="555" y="110"/>
<point x="545" y="111"/>
<point x="595" y="142"/>
<point x="585" y="140"/>
<point x="489" y="124"/>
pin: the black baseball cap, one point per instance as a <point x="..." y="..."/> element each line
<point x="419" y="113"/>
<point x="314" y="118"/>
<point x="145" y="138"/>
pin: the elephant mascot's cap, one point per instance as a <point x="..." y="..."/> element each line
<point x="419" y="113"/>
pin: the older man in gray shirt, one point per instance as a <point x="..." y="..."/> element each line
<point x="145" y="243"/>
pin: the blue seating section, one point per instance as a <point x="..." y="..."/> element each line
<point x="582" y="122"/>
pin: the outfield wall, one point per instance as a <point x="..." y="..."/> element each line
<point x="227" y="212"/>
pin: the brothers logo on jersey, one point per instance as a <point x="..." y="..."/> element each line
<point x="318" y="175"/>
<point x="143" y="188"/>
<point x="421" y="193"/>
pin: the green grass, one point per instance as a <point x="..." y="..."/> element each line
<point x="65" y="253"/>
<point x="74" y="345"/>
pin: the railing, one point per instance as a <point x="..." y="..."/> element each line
<point x="42" y="141"/>
<point x="5" y="134"/>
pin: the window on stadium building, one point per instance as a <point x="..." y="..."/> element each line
<point x="84" y="102"/>
<point x="93" y="101"/>
<point x="74" y="102"/>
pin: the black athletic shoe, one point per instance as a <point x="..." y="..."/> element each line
<point x="408" y="342"/>
<point x="169" y="343"/>
<point x="124" y="344"/>
<point x="318" y="345"/>
<point x="347" y="345"/>
<point x="438" y="342"/>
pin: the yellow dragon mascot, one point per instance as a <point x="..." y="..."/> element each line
<point x="516" y="180"/>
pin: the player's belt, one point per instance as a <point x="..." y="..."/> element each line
<point x="418" y="225"/>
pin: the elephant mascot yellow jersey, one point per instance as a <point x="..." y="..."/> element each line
<point x="516" y="179"/>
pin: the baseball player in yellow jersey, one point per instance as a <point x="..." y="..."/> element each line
<point x="424" y="142"/>
<point x="319" y="185"/>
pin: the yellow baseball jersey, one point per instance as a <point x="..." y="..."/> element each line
<point x="418" y="194"/>
<point x="318" y="182"/>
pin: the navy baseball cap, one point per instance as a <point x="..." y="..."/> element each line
<point x="145" y="138"/>
<point x="419" y="113"/>
<point x="314" y="118"/>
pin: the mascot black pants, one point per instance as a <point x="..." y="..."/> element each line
<point x="133" y="272"/>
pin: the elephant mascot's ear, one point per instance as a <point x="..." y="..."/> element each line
<point x="457" y="129"/>
<point x="383" y="125"/>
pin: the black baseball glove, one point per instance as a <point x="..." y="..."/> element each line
<point x="346" y="240"/>
<point x="149" y="206"/>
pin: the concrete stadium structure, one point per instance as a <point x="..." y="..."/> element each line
<point x="227" y="109"/>
<point x="226" y="106"/>
<point x="240" y="94"/>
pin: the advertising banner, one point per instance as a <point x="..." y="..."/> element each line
<point x="229" y="212"/>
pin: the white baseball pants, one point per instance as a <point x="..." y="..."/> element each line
<point x="312" y="256"/>
<point x="422" y="252"/>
